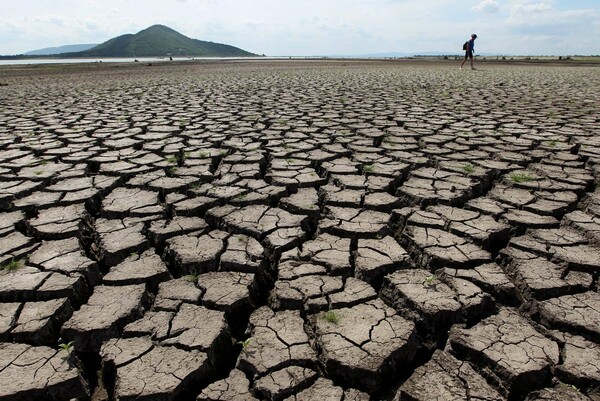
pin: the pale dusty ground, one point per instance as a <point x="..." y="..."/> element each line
<point x="335" y="230"/>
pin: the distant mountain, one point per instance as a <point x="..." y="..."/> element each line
<point x="159" y="40"/>
<point x="48" y="51"/>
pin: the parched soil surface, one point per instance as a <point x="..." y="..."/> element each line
<point x="318" y="230"/>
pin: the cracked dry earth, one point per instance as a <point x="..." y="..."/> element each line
<point x="300" y="230"/>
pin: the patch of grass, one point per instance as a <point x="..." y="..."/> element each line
<point x="171" y="159"/>
<point x="202" y="155"/>
<point x="172" y="169"/>
<point x="552" y="143"/>
<point x="331" y="317"/>
<point x="560" y="383"/>
<point x="66" y="346"/>
<point x="14" y="265"/>
<point x="468" y="168"/>
<point x="37" y="172"/>
<point x="191" y="278"/>
<point x="43" y="162"/>
<point x="521" y="177"/>
<point x="100" y="376"/>
<point x="368" y="168"/>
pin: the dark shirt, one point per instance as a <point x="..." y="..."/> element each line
<point x="471" y="46"/>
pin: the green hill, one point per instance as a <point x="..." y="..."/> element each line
<point x="159" y="40"/>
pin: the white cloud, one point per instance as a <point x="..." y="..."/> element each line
<point x="487" y="6"/>
<point x="309" y="27"/>
<point x="544" y="15"/>
<point x="532" y="8"/>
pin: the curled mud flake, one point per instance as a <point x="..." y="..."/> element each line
<point x="518" y="357"/>
<point x="364" y="343"/>
<point x="454" y="380"/>
<point x="30" y="372"/>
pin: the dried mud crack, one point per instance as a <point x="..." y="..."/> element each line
<point x="300" y="230"/>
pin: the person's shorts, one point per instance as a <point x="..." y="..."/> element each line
<point x="468" y="54"/>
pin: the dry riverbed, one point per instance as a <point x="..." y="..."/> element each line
<point x="300" y="230"/>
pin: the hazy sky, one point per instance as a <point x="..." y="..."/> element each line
<point x="315" y="27"/>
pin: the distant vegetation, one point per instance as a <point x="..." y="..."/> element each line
<point x="159" y="40"/>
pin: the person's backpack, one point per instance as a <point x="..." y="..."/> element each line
<point x="465" y="45"/>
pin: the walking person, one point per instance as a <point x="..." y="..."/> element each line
<point x="469" y="51"/>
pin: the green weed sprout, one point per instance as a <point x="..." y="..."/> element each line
<point x="331" y="317"/>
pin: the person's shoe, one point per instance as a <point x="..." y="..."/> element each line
<point x="461" y="68"/>
<point x="473" y="68"/>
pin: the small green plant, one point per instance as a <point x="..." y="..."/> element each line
<point x="241" y="238"/>
<point x="171" y="159"/>
<point x="37" y="172"/>
<point x="172" y="169"/>
<point x="468" y="168"/>
<point x="13" y="265"/>
<point x="521" y="177"/>
<point x="331" y="317"/>
<point x="66" y="346"/>
<point x="202" y="155"/>
<point x="368" y="168"/>
<point x="569" y="385"/>
<point x="192" y="278"/>
<point x="100" y="376"/>
<point x="430" y="281"/>
<point x="245" y="343"/>
<point x="43" y="162"/>
<point x="552" y="143"/>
